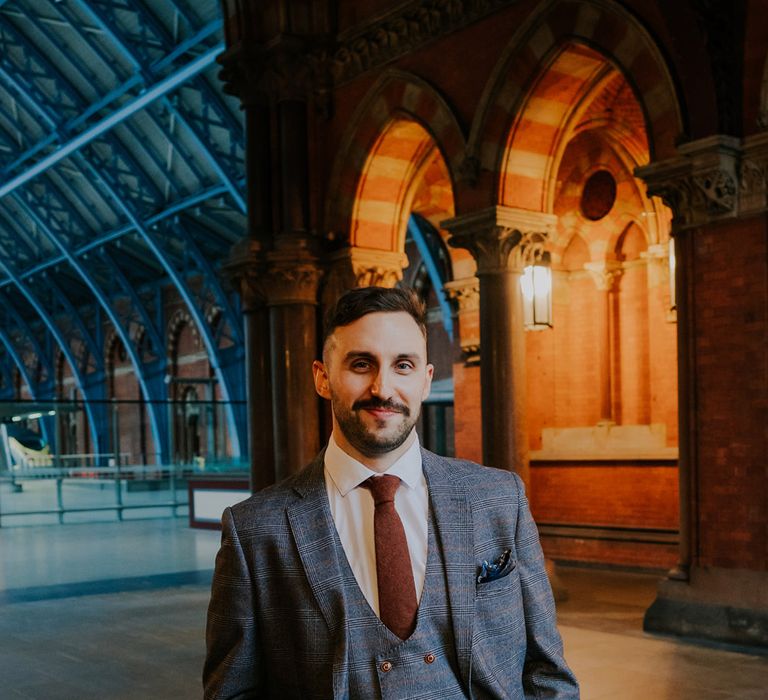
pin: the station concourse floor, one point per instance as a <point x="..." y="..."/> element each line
<point x="116" y="611"/>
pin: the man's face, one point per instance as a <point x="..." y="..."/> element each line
<point x="376" y="375"/>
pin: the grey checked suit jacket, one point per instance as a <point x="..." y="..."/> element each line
<point x="277" y="623"/>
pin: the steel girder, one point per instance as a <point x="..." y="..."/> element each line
<point x="428" y="244"/>
<point x="88" y="389"/>
<point x="80" y="241"/>
<point x="230" y="386"/>
<point x="149" y="376"/>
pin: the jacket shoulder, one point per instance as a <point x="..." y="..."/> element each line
<point x="477" y="479"/>
<point x="270" y="503"/>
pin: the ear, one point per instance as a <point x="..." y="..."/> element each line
<point x="322" y="385"/>
<point x="428" y="385"/>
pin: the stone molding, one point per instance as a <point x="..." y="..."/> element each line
<point x="716" y="178"/>
<point x="294" y="64"/>
<point x="605" y="273"/>
<point x="362" y="267"/>
<point x="402" y="31"/>
<point x="501" y="239"/>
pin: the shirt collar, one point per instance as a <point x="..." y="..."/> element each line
<point x="347" y="473"/>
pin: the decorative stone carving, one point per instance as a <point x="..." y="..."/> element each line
<point x="492" y="234"/>
<point x="293" y="273"/>
<point x="605" y="274"/>
<point x="288" y="275"/>
<point x="403" y="30"/>
<point x="701" y="185"/>
<point x="245" y="266"/>
<point x="753" y="174"/>
<point x="362" y="267"/>
<point x="464" y="296"/>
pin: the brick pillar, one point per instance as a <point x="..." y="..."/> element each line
<point x="716" y="189"/>
<point x="502" y="240"/>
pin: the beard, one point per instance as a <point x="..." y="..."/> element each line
<point x="361" y="437"/>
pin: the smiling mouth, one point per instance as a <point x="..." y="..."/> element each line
<point x="381" y="409"/>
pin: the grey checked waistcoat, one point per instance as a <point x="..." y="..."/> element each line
<point x="381" y="665"/>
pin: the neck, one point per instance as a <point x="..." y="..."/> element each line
<point x="377" y="463"/>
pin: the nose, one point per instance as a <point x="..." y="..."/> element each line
<point x="381" y="385"/>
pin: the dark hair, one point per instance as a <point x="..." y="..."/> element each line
<point x="356" y="303"/>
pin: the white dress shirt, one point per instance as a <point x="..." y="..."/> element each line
<point x="352" y="509"/>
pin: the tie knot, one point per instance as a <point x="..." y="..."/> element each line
<point x="382" y="488"/>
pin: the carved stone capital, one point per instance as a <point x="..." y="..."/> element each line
<point x="658" y="252"/>
<point x="245" y="266"/>
<point x="501" y="239"/>
<point x="605" y="274"/>
<point x="362" y="267"/>
<point x="702" y="184"/>
<point x="753" y="174"/>
<point x="285" y="70"/>
<point x="292" y="274"/>
<point x="464" y="295"/>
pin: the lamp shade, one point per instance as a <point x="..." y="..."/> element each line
<point x="536" y="284"/>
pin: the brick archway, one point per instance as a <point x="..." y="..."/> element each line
<point x="530" y="110"/>
<point x="399" y="129"/>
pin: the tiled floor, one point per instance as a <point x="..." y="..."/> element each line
<point x="117" y="611"/>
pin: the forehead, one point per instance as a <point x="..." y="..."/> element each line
<point x="382" y="331"/>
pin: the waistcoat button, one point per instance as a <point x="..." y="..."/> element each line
<point x="386" y="666"/>
<point x="429" y="658"/>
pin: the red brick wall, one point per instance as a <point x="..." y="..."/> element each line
<point x="606" y="495"/>
<point x="731" y="393"/>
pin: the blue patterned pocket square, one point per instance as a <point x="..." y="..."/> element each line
<point x="490" y="571"/>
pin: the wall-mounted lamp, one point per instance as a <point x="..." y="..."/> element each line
<point x="536" y="284"/>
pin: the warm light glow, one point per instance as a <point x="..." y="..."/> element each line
<point x="672" y="266"/>
<point x="536" y="285"/>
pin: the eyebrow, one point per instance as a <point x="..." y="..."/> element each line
<point x="365" y="355"/>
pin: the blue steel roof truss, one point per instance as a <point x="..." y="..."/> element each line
<point x="97" y="197"/>
<point x="109" y="303"/>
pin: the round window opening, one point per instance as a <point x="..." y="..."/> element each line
<point x="598" y="195"/>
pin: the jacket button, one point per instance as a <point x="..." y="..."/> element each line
<point x="429" y="658"/>
<point x="386" y="666"/>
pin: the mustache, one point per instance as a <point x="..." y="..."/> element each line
<point x="388" y="405"/>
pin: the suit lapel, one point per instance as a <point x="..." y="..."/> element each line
<point x="315" y="537"/>
<point x="453" y="517"/>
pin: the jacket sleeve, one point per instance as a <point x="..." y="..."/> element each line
<point x="545" y="673"/>
<point x="233" y="666"/>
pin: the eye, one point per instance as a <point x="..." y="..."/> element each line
<point x="360" y="365"/>
<point x="404" y="366"/>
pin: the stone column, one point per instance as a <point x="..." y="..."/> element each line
<point x="290" y="285"/>
<point x="268" y="64"/>
<point x="605" y="275"/>
<point x="502" y="240"/>
<point x="716" y="189"/>
<point x="245" y="268"/>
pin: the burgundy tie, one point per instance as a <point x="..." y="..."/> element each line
<point x="397" y="592"/>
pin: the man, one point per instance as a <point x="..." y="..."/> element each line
<point x="382" y="570"/>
